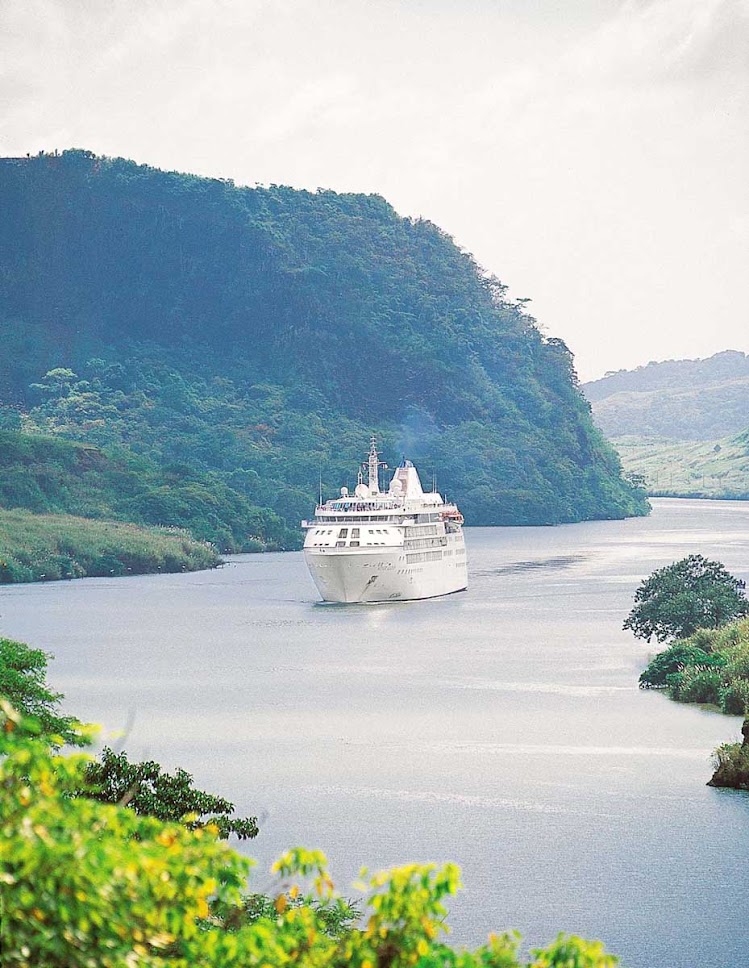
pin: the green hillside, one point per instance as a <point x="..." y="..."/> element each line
<point x="711" y="469"/>
<point x="259" y="335"/>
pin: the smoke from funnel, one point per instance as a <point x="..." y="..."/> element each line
<point x="418" y="432"/>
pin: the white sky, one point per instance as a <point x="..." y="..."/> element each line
<point x="594" y="154"/>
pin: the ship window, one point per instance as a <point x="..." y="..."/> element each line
<point x="354" y="544"/>
<point x="343" y="532"/>
<point x="354" y="532"/>
<point x="340" y="544"/>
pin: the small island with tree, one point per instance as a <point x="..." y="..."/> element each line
<point x="700" y="608"/>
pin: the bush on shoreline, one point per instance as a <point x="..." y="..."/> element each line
<point x="731" y="763"/>
<point x="711" y="666"/>
<point x="49" y="547"/>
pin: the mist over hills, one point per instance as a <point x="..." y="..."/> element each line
<point x="678" y="399"/>
<point x="258" y="336"/>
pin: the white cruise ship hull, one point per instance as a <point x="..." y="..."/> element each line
<point x="383" y="576"/>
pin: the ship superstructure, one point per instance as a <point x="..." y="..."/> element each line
<point x="375" y="546"/>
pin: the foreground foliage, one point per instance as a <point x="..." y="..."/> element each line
<point x="23" y="683"/>
<point x="693" y="593"/>
<point x="46" y="547"/>
<point x="144" y="788"/>
<point x="84" y="883"/>
<point x="260" y="335"/>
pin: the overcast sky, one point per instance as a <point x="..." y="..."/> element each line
<point x="594" y="154"/>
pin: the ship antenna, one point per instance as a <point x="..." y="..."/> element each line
<point x="321" y="486"/>
<point x="373" y="467"/>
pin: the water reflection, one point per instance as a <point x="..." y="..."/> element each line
<point x="501" y="728"/>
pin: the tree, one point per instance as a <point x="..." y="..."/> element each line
<point x="23" y="684"/>
<point x="690" y="594"/>
<point x="149" y="791"/>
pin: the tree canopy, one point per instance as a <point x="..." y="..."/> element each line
<point x="690" y="594"/>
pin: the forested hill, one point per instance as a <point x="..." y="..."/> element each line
<point x="677" y="399"/>
<point x="261" y="334"/>
<point x="672" y="375"/>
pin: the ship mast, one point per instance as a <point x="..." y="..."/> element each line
<point x="373" y="462"/>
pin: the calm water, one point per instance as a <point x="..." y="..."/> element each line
<point x="501" y="728"/>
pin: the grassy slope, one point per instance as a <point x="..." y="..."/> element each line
<point x="44" y="547"/>
<point x="52" y="475"/>
<point x="688" y="468"/>
<point x="687" y="413"/>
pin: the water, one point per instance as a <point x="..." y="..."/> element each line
<point x="501" y="728"/>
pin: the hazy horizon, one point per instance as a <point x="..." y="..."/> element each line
<point x="591" y="156"/>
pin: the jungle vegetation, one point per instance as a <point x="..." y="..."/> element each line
<point x="256" y="337"/>
<point x="50" y="474"/>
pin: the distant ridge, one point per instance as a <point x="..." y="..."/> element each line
<point x="703" y="399"/>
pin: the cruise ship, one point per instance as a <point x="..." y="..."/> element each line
<point x="375" y="546"/>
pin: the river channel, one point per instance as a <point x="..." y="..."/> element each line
<point x="501" y="728"/>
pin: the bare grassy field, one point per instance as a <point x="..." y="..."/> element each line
<point x="688" y="468"/>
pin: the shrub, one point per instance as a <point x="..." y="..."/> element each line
<point x="703" y="639"/>
<point x="735" y="698"/>
<point x="737" y="664"/>
<point x="731" y="762"/>
<point x="698" y="685"/>
<point x="679" y="656"/>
